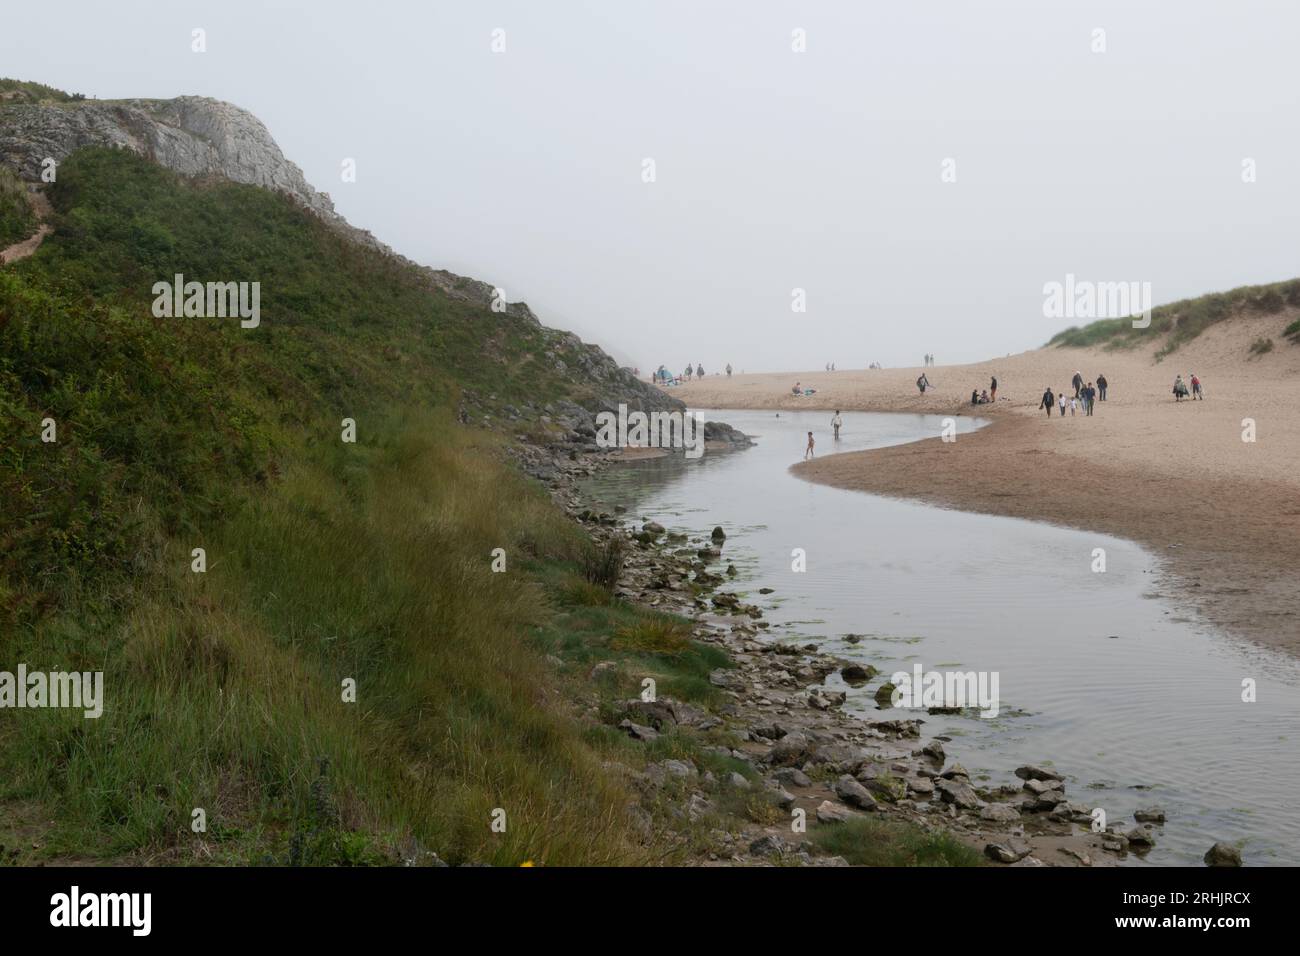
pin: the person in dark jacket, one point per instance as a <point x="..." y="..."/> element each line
<point x="1049" y="400"/>
<point x="1077" y="383"/>
<point x="993" y="389"/>
<point x="1101" y="387"/>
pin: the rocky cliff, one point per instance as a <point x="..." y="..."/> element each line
<point x="200" y="136"/>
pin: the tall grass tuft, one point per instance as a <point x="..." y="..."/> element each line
<point x="602" y="565"/>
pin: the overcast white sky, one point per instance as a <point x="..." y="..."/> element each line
<point x="775" y="170"/>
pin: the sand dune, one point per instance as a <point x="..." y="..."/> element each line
<point x="1222" y="512"/>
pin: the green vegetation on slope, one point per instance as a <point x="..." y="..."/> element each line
<point x="17" y="221"/>
<point x="1179" y="322"/>
<point x="35" y="92"/>
<point x="326" y="561"/>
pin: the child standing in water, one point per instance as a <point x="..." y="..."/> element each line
<point x="808" y="452"/>
<point x="836" y="422"/>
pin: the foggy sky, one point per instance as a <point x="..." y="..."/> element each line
<point x="775" y="170"/>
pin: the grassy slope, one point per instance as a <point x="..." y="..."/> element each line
<point x="38" y="92"/>
<point x="16" y="219"/>
<point x="326" y="560"/>
<point x="1178" y="322"/>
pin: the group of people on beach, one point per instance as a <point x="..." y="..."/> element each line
<point x="1180" y="388"/>
<point x="1086" y="395"/>
<point x="986" y="397"/>
<point x="836" y="424"/>
<point x="664" y="377"/>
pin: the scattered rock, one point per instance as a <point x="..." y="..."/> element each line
<point x="1008" y="851"/>
<point x="1031" y="772"/>
<point x="792" y="777"/>
<point x="638" y="731"/>
<point x="854" y="793"/>
<point x="999" y="813"/>
<point x="1222" y="854"/>
<point x="855" y="674"/>
<point x="828" y="812"/>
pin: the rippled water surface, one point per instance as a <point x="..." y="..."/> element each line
<point x="1119" y="688"/>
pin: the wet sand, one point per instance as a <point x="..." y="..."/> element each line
<point x="1222" y="514"/>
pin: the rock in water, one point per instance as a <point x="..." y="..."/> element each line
<point x="1222" y="854"/>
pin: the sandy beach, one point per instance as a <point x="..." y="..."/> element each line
<point x="1222" y="514"/>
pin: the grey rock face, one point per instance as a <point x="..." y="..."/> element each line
<point x="193" y="135"/>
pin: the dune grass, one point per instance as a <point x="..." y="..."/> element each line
<point x="1177" y="323"/>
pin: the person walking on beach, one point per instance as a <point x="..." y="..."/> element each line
<point x="1077" y="383"/>
<point x="836" y="422"/>
<point x="923" y="383"/>
<point x="993" y="389"/>
<point x="728" y="370"/>
<point x="1089" y="395"/>
<point x="1048" y="401"/>
<point x="1180" y="388"/>
<point x="1074" y="406"/>
<point x="808" y="452"/>
<point x="1060" y="399"/>
<point x="1196" y="388"/>
<point x="1101" y="387"/>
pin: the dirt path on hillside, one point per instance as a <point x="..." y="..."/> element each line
<point x="21" y="250"/>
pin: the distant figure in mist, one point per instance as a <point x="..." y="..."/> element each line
<point x="699" y="371"/>
<point x="728" y="370"/>
<point x="923" y="383"/>
<point x="993" y="389"/>
<point x="836" y="422"/>
<point x="1049" y="400"/>
<point x="808" y="452"/>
